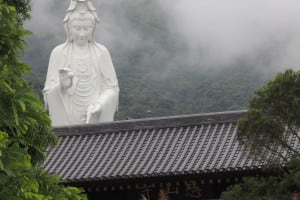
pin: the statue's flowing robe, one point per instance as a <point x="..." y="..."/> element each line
<point x="105" y="85"/>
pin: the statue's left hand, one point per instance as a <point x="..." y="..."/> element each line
<point x="92" y="111"/>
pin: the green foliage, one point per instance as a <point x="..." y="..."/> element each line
<point x="185" y="91"/>
<point x="22" y="115"/>
<point x="253" y="189"/>
<point x="25" y="130"/>
<point x="266" y="188"/>
<point x="22" y="8"/>
<point x="273" y="116"/>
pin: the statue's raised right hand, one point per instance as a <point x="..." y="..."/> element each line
<point x="65" y="78"/>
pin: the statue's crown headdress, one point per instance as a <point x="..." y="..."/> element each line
<point x="81" y="6"/>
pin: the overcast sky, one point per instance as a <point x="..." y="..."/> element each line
<point x="231" y="29"/>
<point x="265" y="32"/>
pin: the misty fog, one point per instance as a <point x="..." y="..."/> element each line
<point x="209" y="33"/>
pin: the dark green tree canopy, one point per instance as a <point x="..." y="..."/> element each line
<point x="22" y="7"/>
<point x="272" y="119"/>
<point x="273" y="116"/>
<point x="22" y="115"/>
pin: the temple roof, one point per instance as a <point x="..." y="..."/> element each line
<point x="179" y="145"/>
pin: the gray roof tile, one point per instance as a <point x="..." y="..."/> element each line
<point x="150" y="148"/>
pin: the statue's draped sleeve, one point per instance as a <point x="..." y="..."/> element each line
<point x="56" y="61"/>
<point x="109" y="94"/>
<point x="52" y="94"/>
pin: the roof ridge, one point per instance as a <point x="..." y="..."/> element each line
<point x="151" y="123"/>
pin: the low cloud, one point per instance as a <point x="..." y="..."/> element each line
<point x="205" y="34"/>
<point x="227" y="31"/>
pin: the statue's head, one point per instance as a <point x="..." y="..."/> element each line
<point x="81" y="21"/>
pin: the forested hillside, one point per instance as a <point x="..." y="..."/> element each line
<point x="157" y="68"/>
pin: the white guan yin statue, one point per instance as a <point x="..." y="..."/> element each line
<point x="81" y="85"/>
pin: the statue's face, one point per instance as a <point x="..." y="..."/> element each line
<point x="81" y="30"/>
